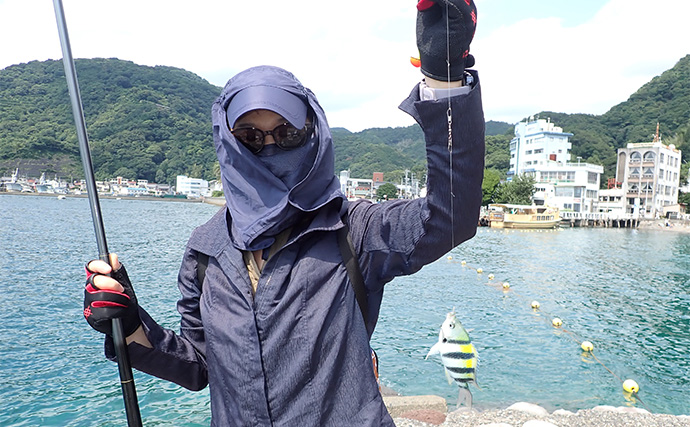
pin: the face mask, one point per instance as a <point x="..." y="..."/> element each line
<point x="290" y="166"/>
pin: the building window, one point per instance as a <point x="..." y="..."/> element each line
<point x="564" y="191"/>
<point x="661" y="158"/>
<point x="649" y="156"/>
<point x="635" y="157"/>
<point x="528" y="152"/>
<point x="591" y="177"/>
<point x="539" y="151"/>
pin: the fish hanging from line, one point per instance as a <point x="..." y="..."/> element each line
<point x="459" y="357"/>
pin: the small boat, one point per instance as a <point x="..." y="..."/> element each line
<point x="523" y="216"/>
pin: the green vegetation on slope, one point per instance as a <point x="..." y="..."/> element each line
<point x="144" y="122"/>
<point x="154" y="123"/>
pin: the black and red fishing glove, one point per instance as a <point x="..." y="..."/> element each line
<point x="101" y="306"/>
<point x="445" y="29"/>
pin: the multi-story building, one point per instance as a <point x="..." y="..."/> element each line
<point x="542" y="149"/>
<point x="649" y="174"/>
<point x="192" y="187"/>
<point x="572" y="187"/>
<point x="537" y="142"/>
<point x="356" y="188"/>
<point x="612" y="201"/>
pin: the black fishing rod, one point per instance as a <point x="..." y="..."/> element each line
<point x="129" y="392"/>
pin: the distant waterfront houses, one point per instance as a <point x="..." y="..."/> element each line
<point x="357" y="188"/>
<point x="363" y="188"/>
<point x="113" y="187"/>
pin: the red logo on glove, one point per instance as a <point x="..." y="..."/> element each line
<point x="425" y="4"/>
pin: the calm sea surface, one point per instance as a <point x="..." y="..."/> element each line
<point x="626" y="291"/>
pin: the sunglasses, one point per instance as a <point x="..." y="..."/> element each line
<point x="286" y="136"/>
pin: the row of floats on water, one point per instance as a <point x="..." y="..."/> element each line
<point x="630" y="386"/>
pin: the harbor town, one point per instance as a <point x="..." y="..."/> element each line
<point x="644" y="190"/>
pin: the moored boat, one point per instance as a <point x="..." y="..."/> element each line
<point x="523" y="216"/>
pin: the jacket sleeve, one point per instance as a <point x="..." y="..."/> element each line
<point x="177" y="358"/>
<point x="400" y="237"/>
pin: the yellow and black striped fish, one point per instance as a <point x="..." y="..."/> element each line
<point x="458" y="354"/>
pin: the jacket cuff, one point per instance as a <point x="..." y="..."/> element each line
<point x="414" y="103"/>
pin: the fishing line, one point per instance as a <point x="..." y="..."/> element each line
<point x="449" y="114"/>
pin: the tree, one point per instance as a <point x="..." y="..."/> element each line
<point x="492" y="178"/>
<point x="684" y="198"/>
<point x="519" y="191"/>
<point x="387" y="191"/>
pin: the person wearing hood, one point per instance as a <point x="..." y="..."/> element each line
<point x="269" y="317"/>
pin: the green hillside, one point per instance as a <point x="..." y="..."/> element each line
<point x="144" y="122"/>
<point x="665" y="99"/>
<point x="154" y="123"/>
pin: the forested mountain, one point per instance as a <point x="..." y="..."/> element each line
<point x="665" y="99"/>
<point x="154" y="123"/>
<point x="143" y="122"/>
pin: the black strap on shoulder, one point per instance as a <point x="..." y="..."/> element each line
<point x="347" y="249"/>
<point x="201" y="264"/>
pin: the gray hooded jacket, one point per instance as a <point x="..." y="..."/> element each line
<point x="297" y="352"/>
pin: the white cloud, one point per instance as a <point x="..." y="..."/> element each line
<point x="355" y="55"/>
<point x="537" y="65"/>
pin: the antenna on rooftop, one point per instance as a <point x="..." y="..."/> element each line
<point x="657" y="135"/>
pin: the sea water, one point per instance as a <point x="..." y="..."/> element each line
<point x="624" y="290"/>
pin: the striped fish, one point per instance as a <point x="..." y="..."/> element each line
<point x="458" y="355"/>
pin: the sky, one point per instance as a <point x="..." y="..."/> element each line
<point x="566" y="56"/>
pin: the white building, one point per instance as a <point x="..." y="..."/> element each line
<point x="612" y="201"/>
<point x="134" y="191"/>
<point x="537" y="142"/>
<point x="192" y="187"/>
<point x="356" y="188"/>
<point x="542" y="150"/>
<point x="649" y="174"/>
<point x="572" y="187"/>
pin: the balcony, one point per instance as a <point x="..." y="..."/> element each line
<point x="642" y="194"/>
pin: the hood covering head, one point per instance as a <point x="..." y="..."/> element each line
<point x="260" y="203"/>
<point x="269" y="98"/>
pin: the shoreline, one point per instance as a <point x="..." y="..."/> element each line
<point x="425" y="411"/>
<point x="674" y="225"/>
<point x="101" y="197"/>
